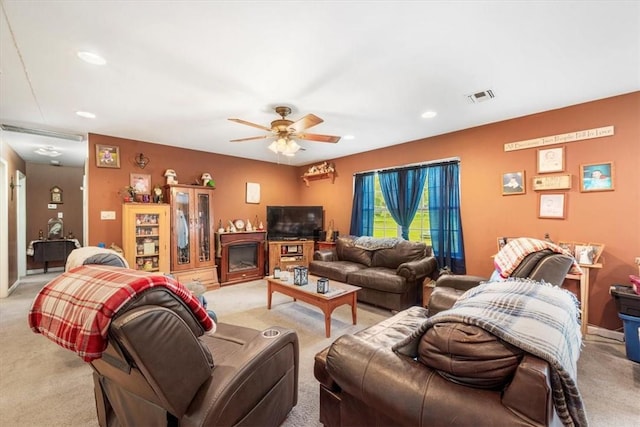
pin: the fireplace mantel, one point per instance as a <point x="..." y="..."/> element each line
<point x="240" y="256"/>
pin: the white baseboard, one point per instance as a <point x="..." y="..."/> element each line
<point x="606" y="333"/>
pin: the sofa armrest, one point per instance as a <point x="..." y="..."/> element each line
<point x="325" y="255"/>
<point x="393" y="384"/>
<point x="462" y="282"/>
<point x="414" y="270"/>
<point x="529" y="393"/>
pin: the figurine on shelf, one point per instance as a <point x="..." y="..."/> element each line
<point x="207" y="181"/>
<point x="248" y="227"/>
<point x="232" y="227"/>
<point x="220" y="227"/>
<point x="157" y="194"/>
<point x="171" y="176"/>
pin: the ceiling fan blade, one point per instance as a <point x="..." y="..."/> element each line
<point x="305" y="123"/>
<point x="244" y="122"/>
<point x="252" y="138"/>
<point x="318" y="138"/>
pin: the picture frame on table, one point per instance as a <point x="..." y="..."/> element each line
<point x="551" y="160"/>
<point x="596" y="177"/>
<point x="552" y="206"/>
<point x="567" y="246"/>
<point x="598" y="248"/>
<point x="107" y="156"/>
<point x="584" y="254"/>
<point x="513" y="183"/>
<point x="140" y="182"/>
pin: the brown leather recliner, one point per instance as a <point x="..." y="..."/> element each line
<point x="364" y="382"/>
<point x="159" y="369"/>
<point x="546" y="265"/>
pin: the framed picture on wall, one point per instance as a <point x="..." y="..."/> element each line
<point x="551" y="160"/>
<point x="596" y="177"/>
<point x="141" y="183"/>
<point x="513" y="183"/>
<point x="107" y="156"/>
<point x="551" y="206"/>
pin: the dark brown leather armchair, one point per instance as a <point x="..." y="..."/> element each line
<point x="159" y="369"/>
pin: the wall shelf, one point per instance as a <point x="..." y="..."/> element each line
<point x="317" y="176"/>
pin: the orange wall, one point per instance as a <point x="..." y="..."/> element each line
<point x="610" y="218"/>
<point x="279" y="183"/>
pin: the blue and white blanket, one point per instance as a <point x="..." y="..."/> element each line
<point x="536" y="317"/>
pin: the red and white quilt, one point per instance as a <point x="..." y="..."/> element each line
<point x="75" y="309"/>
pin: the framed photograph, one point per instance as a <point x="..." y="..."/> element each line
<point x="598" y="248"/>
<point x="551" y="206"/>
<point x="513" y="183"/>
<point x="584" y="254"/>
<point x="551" y="160"/>
<point x="141" y="183"/>
<point x="552" y="182"/>
<point x="596" y="177"/>
<point x="107" y="156"/>
<point x="253" y="192"/>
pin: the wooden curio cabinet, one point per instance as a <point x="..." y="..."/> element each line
<point x="145" y="236"/>
<point x="192" y="234"/>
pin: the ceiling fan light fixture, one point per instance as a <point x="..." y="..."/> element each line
<point x="91" y="58"/>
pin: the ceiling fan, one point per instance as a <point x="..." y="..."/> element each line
<point x="284" y="131"/>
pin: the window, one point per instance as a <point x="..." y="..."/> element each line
<point x="385" y="226"/>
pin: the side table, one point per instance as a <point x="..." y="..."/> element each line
<point x="584" y="292"/>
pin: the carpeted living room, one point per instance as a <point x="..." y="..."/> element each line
<point x="52" y="386"/>
<point x="455" y="182"/>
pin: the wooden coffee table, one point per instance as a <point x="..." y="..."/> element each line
<point x="339" y="294"/>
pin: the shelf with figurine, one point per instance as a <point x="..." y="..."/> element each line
<point x="323" y="170"/>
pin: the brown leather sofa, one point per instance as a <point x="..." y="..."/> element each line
<point x="160" y="369"/>
<point x="489" y="383"/>
<point x="390" y="277"/>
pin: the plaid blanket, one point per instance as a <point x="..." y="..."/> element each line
<point x="510" y="256"/>
<point x="534" y="316"/>
<point x="75" y="309"/>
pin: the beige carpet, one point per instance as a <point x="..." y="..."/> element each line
<point x="42" y="384"/>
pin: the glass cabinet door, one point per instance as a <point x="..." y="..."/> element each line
<point x="203" y="226"/>
<point x="181" y="221"/>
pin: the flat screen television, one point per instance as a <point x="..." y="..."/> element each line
<point x="294" y="222"/>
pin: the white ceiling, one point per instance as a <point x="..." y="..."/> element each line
<point x="176" y="71"/>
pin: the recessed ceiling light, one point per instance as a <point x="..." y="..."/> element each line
<point x="86" y="114"/>
<point x="48" y="151"/>
<point x="91" y="58"/>
<point x="348" y="137"/>
<point x="429" y="114"/>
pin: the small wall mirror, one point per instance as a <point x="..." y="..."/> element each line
<point x="55" y="228"/>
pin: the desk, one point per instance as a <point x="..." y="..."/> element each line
<point x="51" y="250"/>
<point x="584" y="292"/>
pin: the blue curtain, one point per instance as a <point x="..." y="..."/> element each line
<point x="363" y="205"/>
<point x="444" y="216"/>
<point x="402" y="191"/>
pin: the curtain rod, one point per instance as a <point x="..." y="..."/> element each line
<point x="449" y="159"/>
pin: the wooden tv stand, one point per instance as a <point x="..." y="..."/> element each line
<point x="289" y="253"/>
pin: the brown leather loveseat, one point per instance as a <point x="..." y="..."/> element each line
<point x="389" y="271"/>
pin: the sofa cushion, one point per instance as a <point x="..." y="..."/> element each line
<point x="334" y="270"/>
<point x="380" y="279"/>
<point x="469" y="355"/>
<point x="404" y="251"/>
<point x="347" y="251"/>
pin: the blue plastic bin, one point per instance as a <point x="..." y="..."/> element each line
<point x="631" y="336"/>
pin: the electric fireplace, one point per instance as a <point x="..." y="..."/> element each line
<point x="240" y="256"/>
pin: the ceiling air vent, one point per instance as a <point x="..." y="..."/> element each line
<point x="478" y="97"/>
